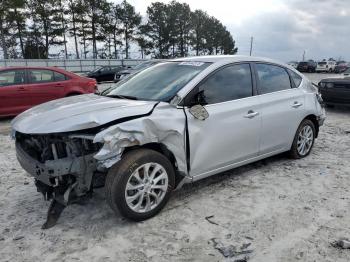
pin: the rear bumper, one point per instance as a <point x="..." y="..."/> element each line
<point x="321" y="120"/>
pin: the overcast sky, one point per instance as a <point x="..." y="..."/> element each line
<point x="282" y="29"/>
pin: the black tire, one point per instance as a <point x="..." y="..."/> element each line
<point x="118" y="177"/>
<point x="294" y="153"/>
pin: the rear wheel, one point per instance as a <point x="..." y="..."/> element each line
<point x="303" y="140"/>
<point x="140" y="184"/>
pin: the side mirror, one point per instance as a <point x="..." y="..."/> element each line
<point x="199" y="112"/>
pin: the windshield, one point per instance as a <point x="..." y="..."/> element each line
<point x="347" y="71"/>
<point x="322" y="63"/>
<point x="96" y="69"/>
<point x="160" y="82"/>
<point x="303" y="63"/>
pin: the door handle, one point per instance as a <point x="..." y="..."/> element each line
<point x="297" y="104"/>
<point x="251" y="114"/>
<point x="21" y="88"/>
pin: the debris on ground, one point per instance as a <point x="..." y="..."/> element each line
<point x="18" y="238"/>
<point x="240" y="253"/>
<point x="343" y="243"/>
<point x="208" y="218"/>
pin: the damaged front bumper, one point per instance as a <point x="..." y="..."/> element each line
<point x="51" y="172"/>
<point x="63" y="167"/>
<point x="65" y="161"/>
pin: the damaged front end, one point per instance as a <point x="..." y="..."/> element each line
<point x="69" y="146"/>
<point x="63" y="167"/>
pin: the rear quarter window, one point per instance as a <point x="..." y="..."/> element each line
<point x="59" y="76"/>
<point x="272" y="78"/>
<point x="295" y="78"/>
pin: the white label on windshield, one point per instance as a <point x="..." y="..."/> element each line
<point x="192" y="63"/>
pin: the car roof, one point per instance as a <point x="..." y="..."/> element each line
<point x="53" y="68"/>
<point x="227" y="58"/>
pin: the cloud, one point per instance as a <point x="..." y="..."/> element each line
<point x="321" y="28"/>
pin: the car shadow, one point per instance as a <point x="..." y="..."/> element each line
<point x="5" y="125"/>
<point x="338" y="109"/>
<point x="103" y="215"/>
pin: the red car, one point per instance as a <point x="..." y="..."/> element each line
<point x="24" y="87"/>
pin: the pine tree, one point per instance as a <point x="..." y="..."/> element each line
<point x="17" y="18"/>
<point x="47" y="22"/>
<point x="129" y="22"/>
<point x="157" y="29"/>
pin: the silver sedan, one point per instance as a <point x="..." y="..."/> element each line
<point x="176" y="122"/>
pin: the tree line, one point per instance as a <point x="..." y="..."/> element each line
<point x="101" y="29"/>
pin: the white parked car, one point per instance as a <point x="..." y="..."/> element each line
<point x="176" y="122"/>
<point x="326" y="66"/>
<point x="293" y="64"/>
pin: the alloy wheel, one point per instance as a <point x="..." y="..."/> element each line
<point x="146" y="187"/>
<point x="305" y="140"/>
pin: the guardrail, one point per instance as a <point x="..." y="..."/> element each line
<point x="73" y="65"/>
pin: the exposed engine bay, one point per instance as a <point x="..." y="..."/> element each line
<point x="62" y="164"/>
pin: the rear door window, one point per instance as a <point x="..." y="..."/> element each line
<point x="40" y="76"/>
<point x="272" y="78"/>
<point x="12" y="77"/>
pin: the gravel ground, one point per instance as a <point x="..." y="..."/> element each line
<point x="273" y="210"/>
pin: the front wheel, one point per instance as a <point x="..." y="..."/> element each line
<point x="303" y="140"/>
<point x="140" y="184"/>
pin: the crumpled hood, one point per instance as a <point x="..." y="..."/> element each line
<point x="77" y="113"/>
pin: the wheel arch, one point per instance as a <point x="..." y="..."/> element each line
<point x="314" y="120"/>
<point x="164" y="150"/>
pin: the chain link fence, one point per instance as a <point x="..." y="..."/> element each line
<point x="73" y="65"/>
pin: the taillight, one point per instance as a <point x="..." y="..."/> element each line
<point x="92" y="84"/>
<point x="319" y="99"/>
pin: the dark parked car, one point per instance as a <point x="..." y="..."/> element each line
<point x="24" y="87"/>
<point x="336" y="91"/>
<point x="123" y="73"/>
<point x="341" y="67"/>
<point x="308" y="66"/>
<point x="104" y="73"/>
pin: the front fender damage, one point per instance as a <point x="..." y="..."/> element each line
<point x="156" y="128"/>
<point x="67" y="166"/>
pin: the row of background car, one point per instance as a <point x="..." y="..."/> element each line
<point x="311" y="66"/>
<point x="25" y="87"/>
<point x="116" y="73"/>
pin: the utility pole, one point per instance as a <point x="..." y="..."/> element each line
<point x="304" y="55"/>
<point x="251" y="46"/>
